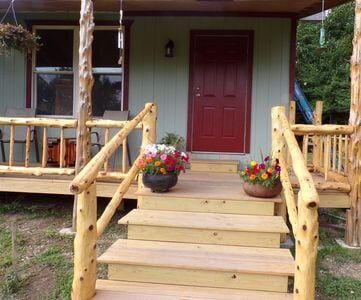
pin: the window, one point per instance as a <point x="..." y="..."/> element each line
<point x="55" y="69"/>
<point x="53" y="74"/>
<point x="107" y="88"/>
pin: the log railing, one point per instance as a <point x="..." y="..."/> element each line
<point x="325" y="149"/>
<point x="89" y="229"/>
<point x="43" y="125"/>
<point x="303" y="215"/>
<point x="106" y="126"/>
<point x="29" y="124"/>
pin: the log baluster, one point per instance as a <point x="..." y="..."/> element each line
<point x="334" y="151"/>
<point x="27" y="146"/>
<point x="106" y="140"/>
<point x="340" y="154"/>
<point x="11" y="146"/>
<point x="62" y="148"/>
<point x="44" y="159"/>
<point x="327" y="156"/>
<point x="305" y="148"/>
<point x="124" y="156"/>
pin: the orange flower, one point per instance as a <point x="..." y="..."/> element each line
<point x="157" y="163"/>
<point x="149" y="159"/>
<point x="163" y="171"/>
<point x="252" y="177"/>
<point x="264" y="176"/>
<point x="270" y="170"/>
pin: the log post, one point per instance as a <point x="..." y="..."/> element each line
<point x="353" y="223"/>
<point x="85" y="244"/>
<point x="149" y="135"/>
<point x="279" y="151"/>
<point x="83" y="139"/>
<point x="85" y="204"/>
<point x="306" y="239"/>
<point x="317" y="120"/>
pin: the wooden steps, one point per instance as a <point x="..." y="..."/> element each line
<point x="200" y="193"/>
<point x="220" y="166"/>
<point x="125" y="290"/>
<point x="199" y="265"/>
<point x="205" y="228"/>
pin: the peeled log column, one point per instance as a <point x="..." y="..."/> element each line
<point x="85" y="205"/>
<point x="353" y="227"/>
<point x="85" y="245"/>
<point x="83" y="139"/>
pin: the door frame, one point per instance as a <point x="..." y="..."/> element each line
<point x="243" y="33"/>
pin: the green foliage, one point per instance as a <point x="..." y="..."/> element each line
<point x="18" y="38"/>
<point x="324" y="74"/>
<point x="339" y="288"/>
<point x="11" y="284"/>
<point x="175" y="140"/>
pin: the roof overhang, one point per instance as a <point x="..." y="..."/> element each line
<point x="302" y="8"/>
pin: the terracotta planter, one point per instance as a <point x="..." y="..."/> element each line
<point x="160" y="183"/>
<point x="260" y="191"/>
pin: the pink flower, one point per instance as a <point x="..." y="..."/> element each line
<point x="164" y="157"/>
<point x="148" y="157"/>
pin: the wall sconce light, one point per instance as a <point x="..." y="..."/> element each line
<point x="169" y="49"/>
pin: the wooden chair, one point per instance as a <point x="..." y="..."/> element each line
<point x="19" y="132"/>
<point x="115" y="115"/>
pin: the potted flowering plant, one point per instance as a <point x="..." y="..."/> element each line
<point x="161" y="165"/>
<point x="18" y="38"/>
<point x="262" y="179"/>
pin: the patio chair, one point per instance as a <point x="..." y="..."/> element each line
<point x="115" y="115"/>
<point x="19" y="132"/>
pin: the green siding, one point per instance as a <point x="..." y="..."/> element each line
<point x="164" y="80"/>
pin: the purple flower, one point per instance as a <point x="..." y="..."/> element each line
<point x="262" y="166"/>
<point x="266" y="158"/>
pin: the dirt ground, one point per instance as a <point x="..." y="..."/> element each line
<point x="44" y="257"/>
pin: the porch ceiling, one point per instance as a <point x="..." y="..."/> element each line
<point x="132" y="7"/>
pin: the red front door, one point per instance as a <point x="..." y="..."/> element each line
<point x="220" y="91"/>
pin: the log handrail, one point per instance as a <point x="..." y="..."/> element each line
<point x="328" y="129"/>
<point x="303" y="216"/>
<point x="102" y="123"/>
<point x="41" y="122"/>
<point x="89" y="228"/>
<point x="89" y="173"/>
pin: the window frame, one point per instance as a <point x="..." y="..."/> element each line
<point x="31" y="100"/>
<point x="74" y="72"/>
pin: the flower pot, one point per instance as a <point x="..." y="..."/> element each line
<point x="159" y="183"/>
<point x="260" y="191"/>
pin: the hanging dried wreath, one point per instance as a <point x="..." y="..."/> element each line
<point x="16" y="37"/>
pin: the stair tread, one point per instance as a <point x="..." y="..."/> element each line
<point x="194" y="188"/>
<point x="111" y="289"/>
<point x="211" y="221"/>
<point x="272" y="261"/>
<point x="215" y="161"/>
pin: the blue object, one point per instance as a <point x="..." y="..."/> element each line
<point x="303" y="105"/>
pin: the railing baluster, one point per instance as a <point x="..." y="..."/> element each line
<point x="346" y="153"/>
<point x="340" y="154"/>
<point x="327" y="156"/>
<point x="27" y="146"/>
<point x="320" y="153"/>
<point x="124" y="156"/>
<point x="11" y="146"/>
<point x="62" y="148"/>
<point x="334" y="152"/>
<point x="305" y="148"/>
<point x="44" y="159"/>
<point x="106" y="140"/>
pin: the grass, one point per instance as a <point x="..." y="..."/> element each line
<point x="45" y="258"/>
